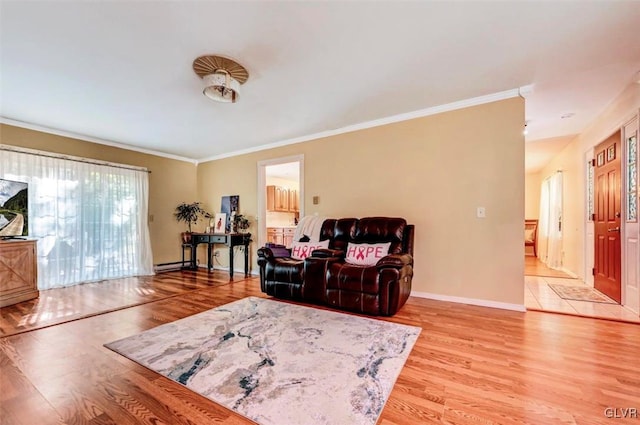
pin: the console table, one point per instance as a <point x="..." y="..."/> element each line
<point x="229" y="239"/>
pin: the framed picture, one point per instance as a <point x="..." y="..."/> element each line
<point x="219" y="223"/>
<point x="229" y="206"/>
<point x="601" y="159"/>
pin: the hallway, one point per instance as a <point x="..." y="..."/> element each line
<point x="539" y="296"/>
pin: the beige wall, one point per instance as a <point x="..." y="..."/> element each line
<point x="532" y="195"/>
<point x="434" y="171"/>
<point x="170" y="181"/>
<point x="572" y="162"/>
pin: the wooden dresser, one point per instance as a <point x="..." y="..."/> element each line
<point x="18" y="271"/>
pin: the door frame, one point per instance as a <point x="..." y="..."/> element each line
<point x="589" y="224"/>
<point x="262" y="189"/>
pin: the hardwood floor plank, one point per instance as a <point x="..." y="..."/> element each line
<point x="470" y="365"/>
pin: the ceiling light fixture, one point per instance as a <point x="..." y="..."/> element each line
<point x="222" y="77"/>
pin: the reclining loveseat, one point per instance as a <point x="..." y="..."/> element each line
<point x="367" y="267"/>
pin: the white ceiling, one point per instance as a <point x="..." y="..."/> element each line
<point x="120" y="71"/>
<point x="286" y="171"/>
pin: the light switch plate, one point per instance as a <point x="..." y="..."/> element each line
<point x="480" y="212"/>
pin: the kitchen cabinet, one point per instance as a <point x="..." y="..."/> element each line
<point x="287" y="237"/>
<point x="280" y="235"/>
<point x="281" y="199"/>
<point x="275" y="235"/>
<point x="294" y="201"/>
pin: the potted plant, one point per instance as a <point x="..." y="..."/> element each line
<point x="241" y="223"/>
<point x="189" y="213"/>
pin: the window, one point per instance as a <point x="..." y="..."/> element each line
<point x="632" y="178"/>
<point x="590" y="189"/>
<point x="90" y="219"/>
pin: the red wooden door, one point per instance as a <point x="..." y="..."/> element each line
<point x="607" y="206"/>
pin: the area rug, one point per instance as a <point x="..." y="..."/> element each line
<point x="278" y="363"/>
<point x="580" y="293"/>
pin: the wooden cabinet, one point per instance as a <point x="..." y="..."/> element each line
<point x="18" y="272"/>
<point x="277" y="199"/>
<point x="280" y="235"/>
<point x="287" y="237"/>
<point x="275" y="235"/>
<point x="281" y="199"/>
<point x="294" y="201"/>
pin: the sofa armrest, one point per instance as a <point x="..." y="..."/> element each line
<point x="271" y="253"/>
<point x="326" y="253"/>
<point x="265" y="253"/>
<point x="396" y="261"/>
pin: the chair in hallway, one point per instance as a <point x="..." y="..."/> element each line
<point x="531" y="234"/>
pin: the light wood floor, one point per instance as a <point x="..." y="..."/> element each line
<point x="61" y="305"/>
<point x="470" y="365"/>
<point x="535" y="267"/>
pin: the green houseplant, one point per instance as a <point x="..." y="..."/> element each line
<point x="241" y="223"/>
<point x="189" y="213"/>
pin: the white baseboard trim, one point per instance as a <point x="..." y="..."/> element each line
<point x="570" y="273"/>
<point x="471" y="301"/>
<point x="167" y="267"/>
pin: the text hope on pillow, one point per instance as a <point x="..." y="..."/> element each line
<point x="302" y="250"/>
<point x="365" y="254"/>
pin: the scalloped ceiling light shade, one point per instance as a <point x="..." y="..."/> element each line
<point x="222" y="77"/>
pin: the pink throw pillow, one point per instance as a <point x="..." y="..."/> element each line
<point x="302" y="250"/>
<point x="365" y="254"/>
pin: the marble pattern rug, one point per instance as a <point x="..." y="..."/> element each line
<point x="278" y="363"/>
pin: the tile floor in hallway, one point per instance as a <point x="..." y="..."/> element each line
<point x="539" y="296"/>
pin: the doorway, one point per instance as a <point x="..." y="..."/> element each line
<point x="280" y="198"/>
<point x="607" y="218"/>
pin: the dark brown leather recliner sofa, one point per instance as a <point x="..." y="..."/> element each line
<point x="326" y="278"/>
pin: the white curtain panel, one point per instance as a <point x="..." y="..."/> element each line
<point x="550" y="223"/>
<point x="90" y="220"/>
<point x="543" y="221"/>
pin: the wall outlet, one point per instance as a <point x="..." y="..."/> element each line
<point x="216" y="253"/>
<point x="480" y="212"/>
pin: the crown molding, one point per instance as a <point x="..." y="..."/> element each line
<point x="507" y="94"/>
<point x="64" y="133"/>
<point x="474" y="101"/>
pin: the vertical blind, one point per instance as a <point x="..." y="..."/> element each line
<point x="90" y="220"/>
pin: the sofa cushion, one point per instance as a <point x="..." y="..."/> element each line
<point x="286" y="270"/>
<point x="302" y="250"/>
<point x="348" y="277"/>
<point x="381" y="229"/>
<point x="366" y="254"/>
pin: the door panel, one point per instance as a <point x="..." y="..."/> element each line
<point x="607" y="218"/>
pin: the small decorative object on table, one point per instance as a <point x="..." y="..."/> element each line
<point x="229" y="206"/>
<point x="240" y="223"/>
<point x="219" y="223"/>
